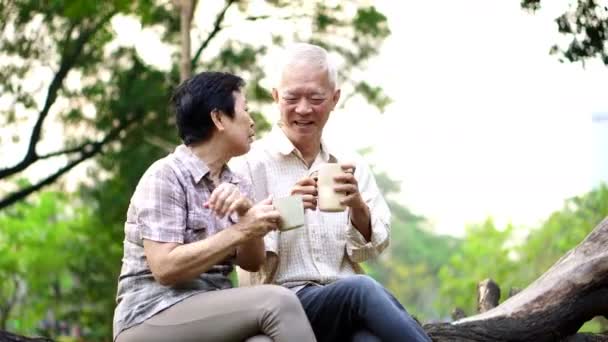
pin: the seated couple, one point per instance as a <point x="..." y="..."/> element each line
<point x="192" y="218"/>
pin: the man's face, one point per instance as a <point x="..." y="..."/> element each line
<point x="305" y="97"/>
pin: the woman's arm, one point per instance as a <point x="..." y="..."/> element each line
<point x="227" y="199"/>
<point x="251" y="255"/>
<point x="172" y="263"/>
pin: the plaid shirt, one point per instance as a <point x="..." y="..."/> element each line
<point x="329" y="247"/>
<point x="167" y="206"/>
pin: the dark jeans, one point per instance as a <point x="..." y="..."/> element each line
<point x="358" y="308"/>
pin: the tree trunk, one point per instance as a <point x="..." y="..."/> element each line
<point x="554" y="307"/>
<point x="186" y="9"/>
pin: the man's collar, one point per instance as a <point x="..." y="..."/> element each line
<point x="280" y="143"/>
<point x="198" y="169"/>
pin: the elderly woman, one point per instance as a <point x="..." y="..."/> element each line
<point x="189" y="221"/>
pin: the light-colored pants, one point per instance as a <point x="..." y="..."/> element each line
<point x="240" y="314"/>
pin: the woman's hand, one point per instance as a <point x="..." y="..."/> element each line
<point x="227" y="199"/>
<point x="259" y="219"/>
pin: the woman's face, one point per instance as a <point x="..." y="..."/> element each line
<point x="239" y="130"/>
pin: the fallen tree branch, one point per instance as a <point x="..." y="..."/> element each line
<point x="553" y="308"/>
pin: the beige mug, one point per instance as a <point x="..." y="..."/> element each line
<point x="328" y="199"/>
<point x="291" y="209"/>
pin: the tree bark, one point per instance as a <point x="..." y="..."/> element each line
<point x="552" y="308"/>
<point x="186" y="9"/>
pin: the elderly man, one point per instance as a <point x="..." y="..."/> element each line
<point x="320" y="261"/>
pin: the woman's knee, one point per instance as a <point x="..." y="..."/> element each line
<point x="259" y="338"/>
<point x="279" y="297"/>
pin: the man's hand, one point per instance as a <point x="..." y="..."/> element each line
<point x="347" y="184"/>
<point x="259" y="219"/>
<point x="227" y="199"/>
<point x="359" y="213"/>
<point x="307" y="188"/>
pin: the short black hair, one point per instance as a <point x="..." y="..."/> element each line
<point x="196" y="98"/>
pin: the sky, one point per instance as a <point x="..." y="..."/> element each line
<point x="483" y="121"/>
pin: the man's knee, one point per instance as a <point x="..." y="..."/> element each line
<point x="364" y="336"/>
<point x="361" y="282"/>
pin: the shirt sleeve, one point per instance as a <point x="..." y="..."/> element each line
<point x="254" y="174"/>
<point x="161" y="209"/>
<point x="357" y="248"/>
<point x="246" y="188"/>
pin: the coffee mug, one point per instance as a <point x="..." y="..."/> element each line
<point x="291" y="209"/>
<point x="328" y="199"/>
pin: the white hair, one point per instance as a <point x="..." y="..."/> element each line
<point x="299" y="53"/>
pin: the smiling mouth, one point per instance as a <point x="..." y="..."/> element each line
<point x="303" y="123"/>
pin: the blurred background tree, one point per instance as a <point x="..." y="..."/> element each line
<point x="410" y="266"/>
<point x="71" y="85"/>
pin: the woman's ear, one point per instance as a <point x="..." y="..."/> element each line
<point x="217" y="116"/>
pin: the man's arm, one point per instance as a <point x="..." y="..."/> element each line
<point x="368" y="233"/>
<point x="360" y="217"/>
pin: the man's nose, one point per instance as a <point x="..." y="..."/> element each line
<point x="303" y="107"/>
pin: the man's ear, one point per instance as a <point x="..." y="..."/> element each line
<point x="275" y="95"/>
<point x="217" y="117"/>
<point x="336" y="97"/>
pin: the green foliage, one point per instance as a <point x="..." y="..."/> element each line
<point x="483" y="254"/>
<point x="373" y="95"/>
<point x="369" y="21"/>
<point x="56" y="267"/>
<point x="586" y="24"/>
<point x="561" y="231"/>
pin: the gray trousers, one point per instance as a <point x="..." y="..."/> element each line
<point x="253" y="314"/>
